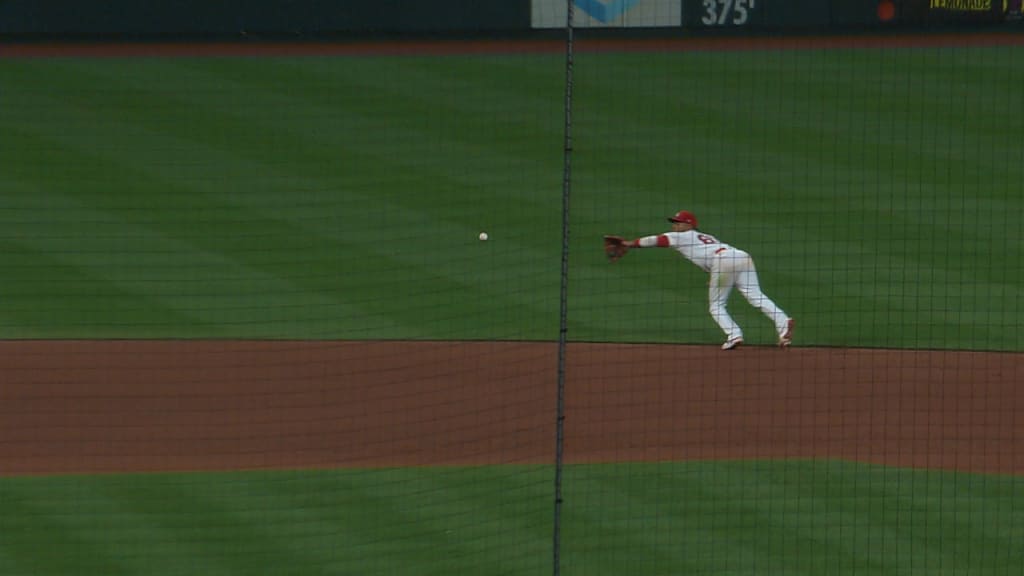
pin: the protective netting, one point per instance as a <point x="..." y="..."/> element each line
<point x="249" y="326"/>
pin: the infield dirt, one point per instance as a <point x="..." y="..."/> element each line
<point x="131" y="406"/>
<point x="70" y="406"/>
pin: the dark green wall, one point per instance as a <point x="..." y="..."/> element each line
<point x="341" y="18"/>
<point x="250" y="17"/>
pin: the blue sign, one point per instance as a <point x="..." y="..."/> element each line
<point x="606" y="12"/>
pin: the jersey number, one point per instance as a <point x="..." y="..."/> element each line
<point x="706" y="239"/>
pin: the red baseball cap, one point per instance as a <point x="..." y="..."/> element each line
<point x="684" y="216"/>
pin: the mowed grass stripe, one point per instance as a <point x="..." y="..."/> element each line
<point x="55" y="297"/>
<point x="400" y="521"/>
<point x="833" y="192"/>
<point x="821" y="151"/>
<point x="236" y="526"/>
<point x="793" y="517"/>
<point x="700" y="519"/>
<point x="78" y="530"/>
<point x="230" y="230"/>
<point x="798" y="517"/>
<point x="494" y="520"/>
<point x="415" y="267"/>
<point x="172" y="281"/>
<point x="326" y="131"/>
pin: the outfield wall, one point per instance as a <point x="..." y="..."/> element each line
<point x="322" y="18"/>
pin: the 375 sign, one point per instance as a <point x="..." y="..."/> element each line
<point x="723" y="13"/>
<point x="727" y="12"/>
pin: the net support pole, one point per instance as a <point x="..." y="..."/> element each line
<point x="563" y="323"/>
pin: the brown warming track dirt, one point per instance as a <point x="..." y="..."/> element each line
<point x="129" y="406"/>
<point x="102" y="406"/>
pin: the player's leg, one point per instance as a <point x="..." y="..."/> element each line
<point x="749" y="286"/>
<point x="719" y="287"/>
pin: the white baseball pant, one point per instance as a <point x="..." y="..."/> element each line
<point x="735" y="268"/>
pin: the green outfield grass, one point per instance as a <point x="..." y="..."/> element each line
<point x="710" y="518"/>
<point x="879" y="191"/>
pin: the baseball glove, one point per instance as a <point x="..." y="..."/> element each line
<point x="615" y="247"/>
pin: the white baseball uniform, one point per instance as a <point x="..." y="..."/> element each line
<point x="728" y="267"/>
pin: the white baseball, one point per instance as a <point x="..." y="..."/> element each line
<point x="483" y="236"/>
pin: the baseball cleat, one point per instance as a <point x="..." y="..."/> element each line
<point x="786" y="338"/>
<point x="732" y="343"/>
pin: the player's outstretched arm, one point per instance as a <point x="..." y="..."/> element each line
<point x="654" y="241"/>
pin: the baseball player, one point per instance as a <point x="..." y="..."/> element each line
<point x="728" y="267"/>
